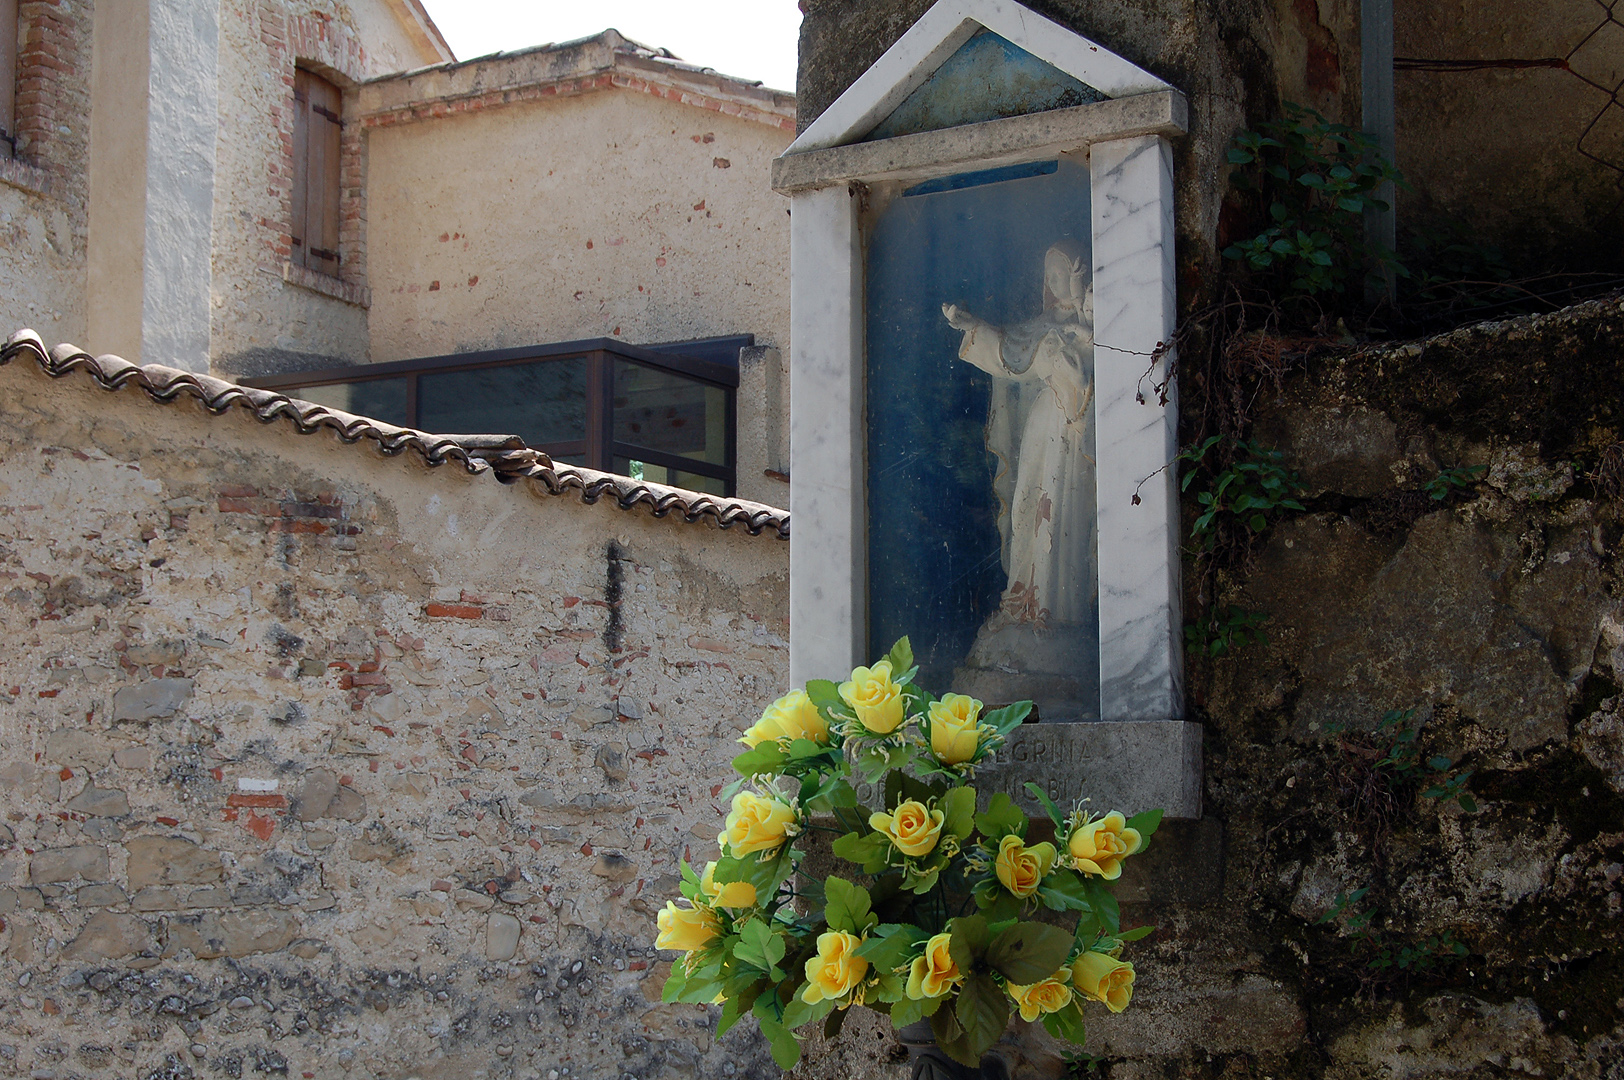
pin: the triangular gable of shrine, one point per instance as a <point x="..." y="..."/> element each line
<point x="967" y="61"/>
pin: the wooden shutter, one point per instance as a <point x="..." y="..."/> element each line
<point x="317" y="128"/>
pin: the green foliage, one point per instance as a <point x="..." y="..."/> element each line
<point x="1451" y="481"/>
<point x="1315" y="180"/>
<point x="753" y="956"/>
<point x="1226" y="628"/>
<point x="1247" y="487"/>
<point x="1382" y="953"/>
<point x="1397" y="738"/>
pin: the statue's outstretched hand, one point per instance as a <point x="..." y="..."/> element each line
<point x="958" y="318"/>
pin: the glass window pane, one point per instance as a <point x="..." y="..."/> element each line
<point x="659" y="474"/>
<point x="665" y="411"/>
<point x="541" y="402"/>
<point x="381" y="399"/>
<point x="569" y="459"/>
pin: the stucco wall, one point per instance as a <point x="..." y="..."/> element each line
<point x="260" y="322"/>
<point x="613" y="213"/>
<point x="321" y="763"/>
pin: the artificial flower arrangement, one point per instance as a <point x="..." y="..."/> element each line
<point x="943" y="928"/>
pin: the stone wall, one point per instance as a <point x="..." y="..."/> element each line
<point x="43" y="208"/>
<point x="1496" y="613"/>
<point x="1531" y="156"/>
<point x="318" y="762"/>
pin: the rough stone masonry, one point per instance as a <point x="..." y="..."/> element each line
<point x="315" y="762"/>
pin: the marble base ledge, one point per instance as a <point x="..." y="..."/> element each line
<point x="1127" y="765"/>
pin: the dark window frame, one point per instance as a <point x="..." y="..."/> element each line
<point x="600" y="446"/>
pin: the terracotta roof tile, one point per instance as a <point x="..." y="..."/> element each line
<point x="504" y="456"/>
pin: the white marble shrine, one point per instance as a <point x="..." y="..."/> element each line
<point x="928" y="198"/>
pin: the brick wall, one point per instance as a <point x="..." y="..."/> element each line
<point x="320" y="763"/>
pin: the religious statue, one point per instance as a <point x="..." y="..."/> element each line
<point x="1040" y="432"/>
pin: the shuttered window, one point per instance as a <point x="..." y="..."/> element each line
<point x="316" y="129"/>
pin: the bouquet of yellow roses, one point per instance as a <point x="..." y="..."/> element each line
<point x="939" y="924"/>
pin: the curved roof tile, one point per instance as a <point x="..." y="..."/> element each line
<point x="504" y="456"/>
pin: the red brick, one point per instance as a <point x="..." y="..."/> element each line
<point x="453" y="611"/>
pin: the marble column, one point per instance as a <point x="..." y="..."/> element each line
<point x="1141" y="643"/>
<point x="828" y="550"/>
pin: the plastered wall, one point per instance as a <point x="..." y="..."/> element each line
<point x="261" y="322"/>
<point x="319" y="763"/>
<point x="613" y="213"/>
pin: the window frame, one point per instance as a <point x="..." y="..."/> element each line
<point x="599" y="446"/>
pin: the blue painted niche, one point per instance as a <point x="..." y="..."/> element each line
<point x="977" y="240"/>
<point x="987" y="78"/>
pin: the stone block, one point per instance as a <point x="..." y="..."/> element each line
<point x="106" y="895"/>
<point x="1129" y="765"/>
<point x="88" y="861"/>
<point x="78" y="749"/>
<point x="1183" y="865"/>
<point x="109" y="936"/>
<point x="232" y="933"/>
<point x="162" y="651"/>
<point x="133" y="757"/>
<point x="155" y="899"/>
<point x="171" y="860"/>
<point x="321" y="796"/>
<point x="151" y="700"/>
<point x="501" y="936"/>
<point x="615" y="867"/>
<point x="100" y="802"/>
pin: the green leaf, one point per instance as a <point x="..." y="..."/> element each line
<point x="863" y="850"/>
<point x="944" y="1024"/>
<point x="1008" y="718"/>
<point x="766" y="758"/>
<point x="901" y="656"/>
<point x="846" y="906"/>
<point x="1104" y="906"/>
<point x="983" y="1013"/>
<point x="759" y="947"/>
<point x="1001" y="818"/>
<point x="908" y="1011"/>
<point x="1067" y="1024"/>
<point x="1063" y="890"/>
<point x="825" y="693"/>
<point x="1145" y="824"/>
<point x="1136" y="933"/>
<point x="969" y="942"/>
<point x="1047" y="803"/>
<point x="786" y="1050"/>
<point x="798" y="1013"/>
<point x="1028" y="952"/>
<point x="958" y="811"/>
<point x="890" y="943"/>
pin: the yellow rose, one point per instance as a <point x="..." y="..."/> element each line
<point x="1098" y="847"/>
<point x="934" y="973"/>
<point x="791" y="717"/>
<point x="686" y="929"/>
<point x="1098" y="976"/>
<point x="756" y="823"/>
<point x="953" y="734"/>
<point x="911" y="827"/>
<point x="1022" y="868"/>
<point x="732" y="894"/>
<point x="1050" y="995"/>
<point x="836" y="969"/>
<point x="877" y="701"/>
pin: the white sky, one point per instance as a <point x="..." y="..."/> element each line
<point x="749" y="39"/>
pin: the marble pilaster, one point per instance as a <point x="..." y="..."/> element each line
<point x="1141" y="659"/>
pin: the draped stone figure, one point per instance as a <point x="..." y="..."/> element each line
<point x="1040" y="432"/>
